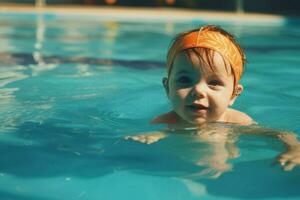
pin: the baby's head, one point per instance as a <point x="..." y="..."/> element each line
<point x="204" y="68"/>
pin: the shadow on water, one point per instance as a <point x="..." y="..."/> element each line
<point x="48" y="150"/>
<point x="54" y="151"/>
<point x="10" y="196"/>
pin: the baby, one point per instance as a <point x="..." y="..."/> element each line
<point x="204" y="68"/>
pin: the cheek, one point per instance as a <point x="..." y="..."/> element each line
<point x="229" y="95"/>
<point x="178" y="96"/>
<point x="222" y="99"/>
<point x="226" y="99"/>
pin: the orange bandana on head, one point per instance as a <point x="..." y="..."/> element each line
<point x="211" y="40"/>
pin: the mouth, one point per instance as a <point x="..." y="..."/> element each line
<point x="198" y="108"/>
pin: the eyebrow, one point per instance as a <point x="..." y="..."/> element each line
<point x="182" y="72"/>
<point x="218" y="76"/>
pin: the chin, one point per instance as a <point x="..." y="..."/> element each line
<point x="198" y="121"/>
<point x="193" y="120"/>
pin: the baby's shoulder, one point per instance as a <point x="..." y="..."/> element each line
<point x="238" y="117"/>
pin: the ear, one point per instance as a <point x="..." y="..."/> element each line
<point x="166" y="84"/>
<point x="237" y="91"/>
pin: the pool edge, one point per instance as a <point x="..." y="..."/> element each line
<point x="160" y="14"/>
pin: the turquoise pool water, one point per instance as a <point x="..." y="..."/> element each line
<point x="71" y="87"/>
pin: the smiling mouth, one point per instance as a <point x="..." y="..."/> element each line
<point x="198" y="108"/>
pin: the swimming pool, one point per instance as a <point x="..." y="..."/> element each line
<point x="71" y="87"/>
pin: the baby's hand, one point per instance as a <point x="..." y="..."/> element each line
<point x="291" y="158"/>
<point x="148" y="138"/>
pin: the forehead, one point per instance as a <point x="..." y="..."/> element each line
<point x="206" y="60"/>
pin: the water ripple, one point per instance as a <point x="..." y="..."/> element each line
<point x="28" y="59"/>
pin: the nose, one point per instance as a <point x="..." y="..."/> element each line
<point x="199" y="90"/>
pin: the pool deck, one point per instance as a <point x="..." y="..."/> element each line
<point x="143" y="13"/>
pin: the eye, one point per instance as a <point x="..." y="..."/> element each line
<point x="215" y="83"/>
<point x="184" y="80"/>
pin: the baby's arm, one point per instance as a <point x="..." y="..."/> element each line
<point x="147" y="138"/>
<point x="288" y="159"/>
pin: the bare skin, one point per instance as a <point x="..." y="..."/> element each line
<point x="217" y="141"/>
<point x="201" y="95"/>
<point x="224" y="147"/>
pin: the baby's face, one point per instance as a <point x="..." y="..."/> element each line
<point x="199" y="94"/>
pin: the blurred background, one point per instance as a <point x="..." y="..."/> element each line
<point x="283" y="7"/>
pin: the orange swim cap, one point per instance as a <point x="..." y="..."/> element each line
<point x="210" y="39"/>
